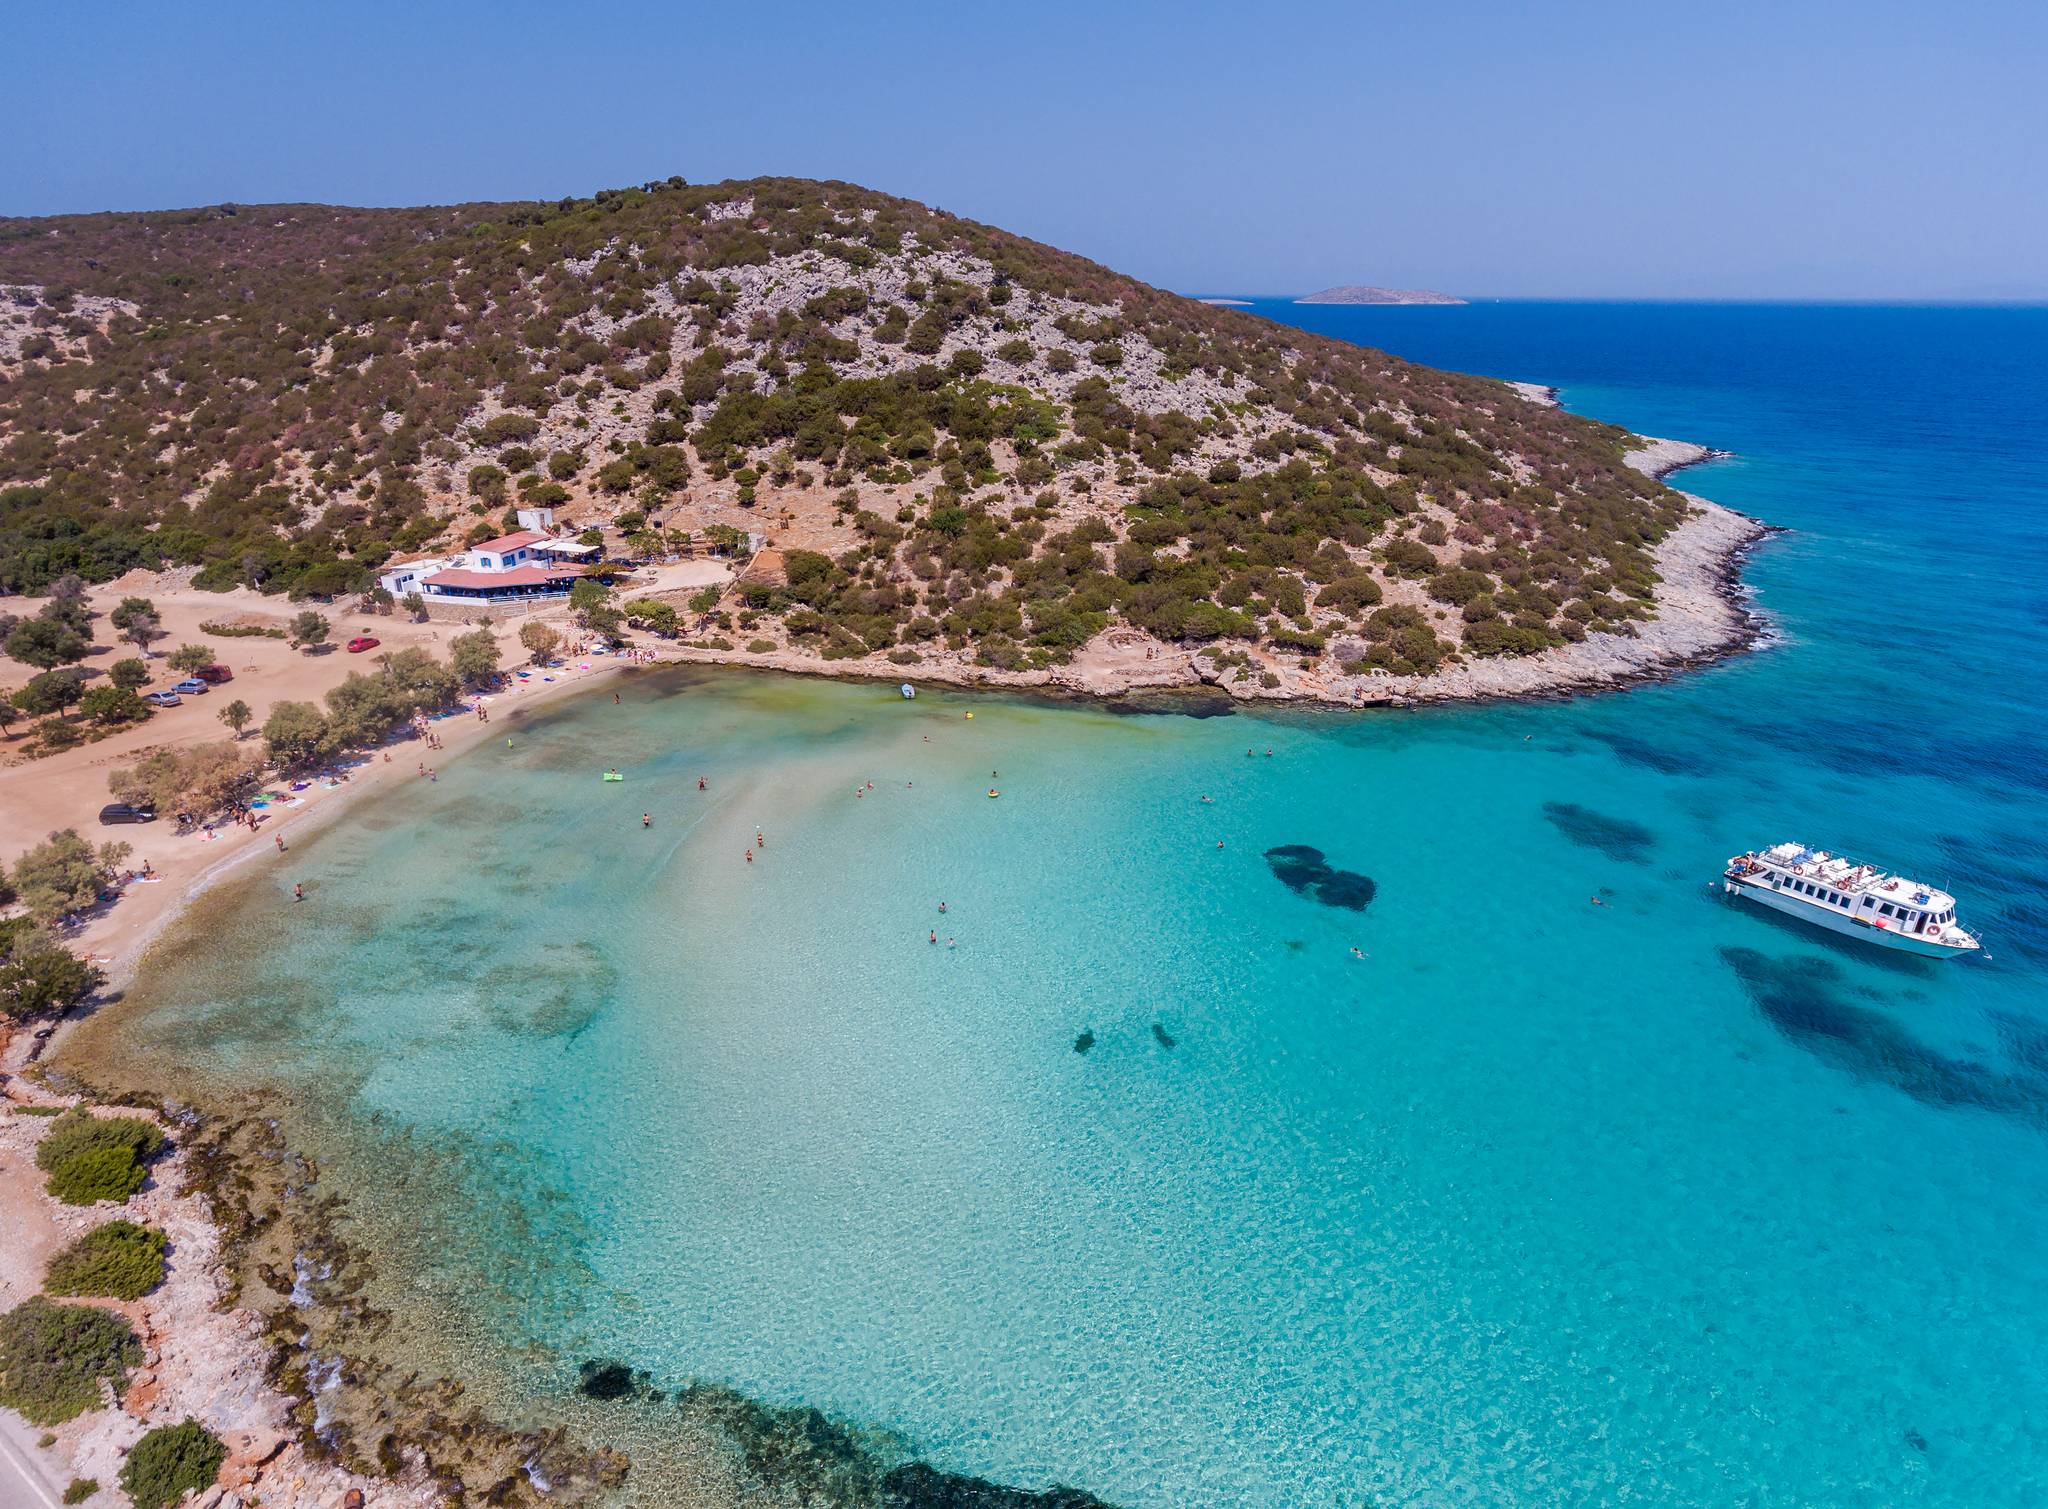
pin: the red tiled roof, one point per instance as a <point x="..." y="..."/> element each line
<point x="518" y="576"/>
<point x="510" y="542"/>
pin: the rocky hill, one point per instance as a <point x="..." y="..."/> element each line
<point x="964" y="447"/>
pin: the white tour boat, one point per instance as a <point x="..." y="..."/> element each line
<point x="1846" y="897"/>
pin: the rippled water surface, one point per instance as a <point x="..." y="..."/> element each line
<point x="1530" y="1200"/>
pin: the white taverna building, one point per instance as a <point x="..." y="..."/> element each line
<point x="529" y="563"/>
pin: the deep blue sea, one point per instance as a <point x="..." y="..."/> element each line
<point x="1529" y="1201"/>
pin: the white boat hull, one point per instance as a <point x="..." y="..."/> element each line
<point x="1835" y="922"/>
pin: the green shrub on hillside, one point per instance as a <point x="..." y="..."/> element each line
<point x="170" y="1462"/>
<point x="119" y="1260"/>
<point x="92" y="1158"/>
<point x="53" y="1359"/>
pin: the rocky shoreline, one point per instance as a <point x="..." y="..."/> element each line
<point x="204" y="1356"/>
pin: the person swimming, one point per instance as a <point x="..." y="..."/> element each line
<point x="700" y="783"/>
<point x="935" y="935"/>
<point x="647" y="820"/>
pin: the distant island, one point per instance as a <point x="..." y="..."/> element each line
<point x="1359" y="293"/>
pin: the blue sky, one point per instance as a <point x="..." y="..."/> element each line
<point x="1794" y="150"/>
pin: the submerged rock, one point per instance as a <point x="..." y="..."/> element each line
<point x="1159" y="1031"/>
<point x="1618" y="838"/>
<point x="602" y="1378"/>
<point x="1085" y="1041"/>
<point x="1305" y="872"/>
<point x="919" y="1486"/>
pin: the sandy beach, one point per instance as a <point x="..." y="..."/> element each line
<point x="67" y="790"/>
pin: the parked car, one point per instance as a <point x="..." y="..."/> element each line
<point x="214" y="674"/>
<point x="161" y="699"/>
<point x="361" y="643"/>
<point x="122" y="812"/>
<point x="191" y="686"/>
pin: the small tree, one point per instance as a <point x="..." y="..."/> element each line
<point x="46" y="643"/>
<point x="10" y="712"/>
<point x="540" y="642"/>
<point x="171" y="1462"/>
<point x="656" y="616"/>
<point x="309" y="629"/>
<point x="378" y="600"/>
<point x="416" y="606"/>
<point x="93" y="1158"/>
<point x="192" y="658"/>
<point x="54" y="1359"/>
<point x="587" y="594"/>
<point x="110" y="706"/>
<point x="142" y="630"/>
<point x="131" y="608"/>
<point x="119" y="1260"/>
<point x="295" y="734"/>
<point x="474" y="656"/>
<point x="237" y="715"/>
<point x="202" y="778"/>
<point x="63" y="874"/>
<point x="131" y="674"/>
<point x="38" y="975"/>
<point x="51" y="692"/>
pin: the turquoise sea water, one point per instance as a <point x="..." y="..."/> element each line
<point x="1538" y="1202"/>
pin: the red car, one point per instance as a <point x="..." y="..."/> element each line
<point x="361" y="643"/>
<point x="214" y="673"/>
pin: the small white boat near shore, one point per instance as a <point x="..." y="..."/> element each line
<point x="1843" y="896"/>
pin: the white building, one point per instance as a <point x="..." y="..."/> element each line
<point x="522" y="565"/>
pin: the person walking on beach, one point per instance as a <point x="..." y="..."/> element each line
<point x="700" y="783"/>
<point x="298" y="893"/>
<point x="760" y="839"/>
<point x="280" y="843"/>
